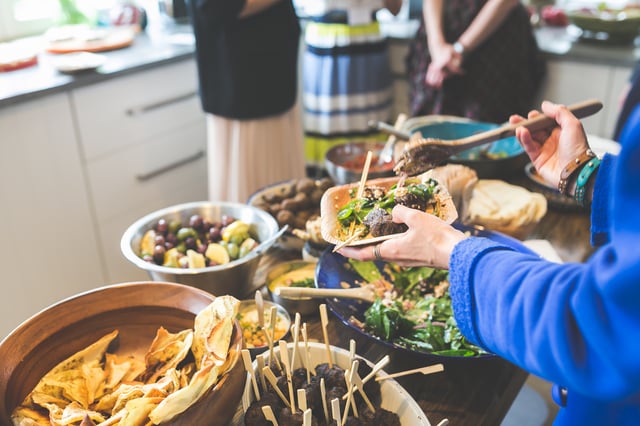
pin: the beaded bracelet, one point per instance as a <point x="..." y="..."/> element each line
<point x="571" y="168"/>
<point x="583" y="178"/>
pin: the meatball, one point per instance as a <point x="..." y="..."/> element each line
<point x="381" y="223"/>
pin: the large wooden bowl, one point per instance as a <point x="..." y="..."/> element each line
<point x="136" y="310"/>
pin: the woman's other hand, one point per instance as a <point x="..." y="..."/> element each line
<point x="445" y="61"/>
<point x="429" y="241"/>
<point x="551" y="150"/>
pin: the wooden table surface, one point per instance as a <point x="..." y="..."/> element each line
<point x="477" y="392"/>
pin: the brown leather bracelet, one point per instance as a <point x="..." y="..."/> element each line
<point x="571" y="168"/>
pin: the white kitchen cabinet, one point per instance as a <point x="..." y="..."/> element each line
<point x="49" y="247"/>
<point x="143" y="137"/>
<point x="572" y="81"/>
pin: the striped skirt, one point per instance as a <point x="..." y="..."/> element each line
<point x="346" y="83"/>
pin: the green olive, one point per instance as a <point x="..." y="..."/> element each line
<point x="184" y="233"/>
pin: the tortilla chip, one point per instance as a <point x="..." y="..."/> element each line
<point x="25" y="416"/>
<point x="167" y="351"/>
<point x="213" y="329"/>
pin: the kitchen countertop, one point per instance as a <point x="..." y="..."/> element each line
<point x="148" y="50"/>
<point x="153" y="48"/>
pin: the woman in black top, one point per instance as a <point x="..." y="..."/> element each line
<point x="247" y="53"/>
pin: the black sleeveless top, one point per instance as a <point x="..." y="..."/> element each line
<point x="247" y="68"/>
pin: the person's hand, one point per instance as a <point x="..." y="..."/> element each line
<point x="429" y="241"/>
<point x="445" y="61"/>
<point x="551" y="150"/>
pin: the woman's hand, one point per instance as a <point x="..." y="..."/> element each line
<point x="429" y="241"/>
<point x="445" y="61"/>
<point x="551" y="150"/>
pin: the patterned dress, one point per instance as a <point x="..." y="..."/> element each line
<point x="346" y="83"/>
<point x="502" y="75"/>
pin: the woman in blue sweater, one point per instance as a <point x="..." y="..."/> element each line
<point x="575" y="324"/>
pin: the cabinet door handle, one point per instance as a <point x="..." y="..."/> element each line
<point x="160" y="104"/>
<point x="181" y="162"/>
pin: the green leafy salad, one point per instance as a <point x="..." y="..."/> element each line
<point x="413" y="309"/>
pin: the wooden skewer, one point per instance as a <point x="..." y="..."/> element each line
<point x="424" y="370"/>
<point x="348" y="241"/>
<point x="284" y="356"/>
<point x="268" y="414"/>
<point x="352" y="350"/>
<point x="272" y="328"/>
<point x="335" y="410"/>
<point x="307" y="361"/>
<point x="266" y="371"/>
<point x="260" y="361"/>
<point x="323" y="394"/>
<point x="350" y="401"/>
<point x="246" y="359"/>
<point x="443" y="422"/>
<point x="357" y="381"/>
<point x="296" y="333"/>
<point x="302" y="400"/>
<point x="307" y="417"/>
<point x="324" y="320"/>
<point x="377" y="367"/>
<point x="260" y="308"/>
<point x="365" y="172"/>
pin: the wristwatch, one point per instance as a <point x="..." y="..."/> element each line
<point x="458" y="48"/>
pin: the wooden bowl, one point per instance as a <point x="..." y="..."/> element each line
<point x="136" y="310"/>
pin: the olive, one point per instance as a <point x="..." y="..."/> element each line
<point x="171" y="239"/>
<point x="196" y="222"/>
<point x="214" y="234"/>
<point x="159" y="239"/>
<point x="226" y="220"/>
<point x="184" y="233"/>
<point x="202" y="248"/>
<point x="174" y="226"/>
<point x="168" y="245"/>
<point x="162" y="227"/>
<point x="233" y="250"/>
<point x="182" y="247"/>
<point x="158" y="254"/>
<point x="191" y="243"/>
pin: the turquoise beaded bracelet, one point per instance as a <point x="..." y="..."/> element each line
<point x="583" y="178"/>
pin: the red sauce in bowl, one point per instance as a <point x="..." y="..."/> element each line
<point x="356" y="164"/>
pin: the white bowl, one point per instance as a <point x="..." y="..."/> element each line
<point x="394" y="397"/>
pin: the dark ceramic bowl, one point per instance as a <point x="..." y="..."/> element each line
<point x="499" y="159"/>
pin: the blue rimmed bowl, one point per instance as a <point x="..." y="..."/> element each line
<point x="499" y="159"/>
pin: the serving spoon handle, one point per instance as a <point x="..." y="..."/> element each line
<point x="360" y="293"/>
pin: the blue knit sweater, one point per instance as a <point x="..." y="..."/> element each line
<point x="575" y="324"/>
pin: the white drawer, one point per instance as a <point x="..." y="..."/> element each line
<point x="137" y="107"/>
<point x="162" y="171"/>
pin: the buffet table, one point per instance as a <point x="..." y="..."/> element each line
<point x="478" y="392"/>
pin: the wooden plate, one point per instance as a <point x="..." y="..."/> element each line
<point x="335" y="198"/>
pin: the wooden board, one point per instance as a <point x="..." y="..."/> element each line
<point x="113" y="39"/>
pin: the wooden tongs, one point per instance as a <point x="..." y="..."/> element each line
<point x="422" y="154"/>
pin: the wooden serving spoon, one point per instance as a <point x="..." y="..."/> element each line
<point x="424" y="154"/>
<point x="365" y="293"/>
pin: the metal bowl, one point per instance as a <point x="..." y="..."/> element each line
<point x="278" y="276"/>
<point x="499" y="159"/>
<point x="344" y="162"/>
<point x="136" y="310"/>
<point x="234" y="278"/>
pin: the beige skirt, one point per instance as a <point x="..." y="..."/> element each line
<point x="246" y="155"/>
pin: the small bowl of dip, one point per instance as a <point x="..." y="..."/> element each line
<point x="254" y="335"/>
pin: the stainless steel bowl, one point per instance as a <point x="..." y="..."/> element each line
<point x="344" y="163"/>
<point x="234" y="278"/>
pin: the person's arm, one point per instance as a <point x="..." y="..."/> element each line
<point x="251" y="7"/>
<point x="393" y="6"/>
<point x="488" y="20"/>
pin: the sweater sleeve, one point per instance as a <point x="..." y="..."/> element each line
<point x="600" y="203"/>
<point x="569" y="323"/>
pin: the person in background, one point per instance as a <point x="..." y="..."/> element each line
<point x="346" y="75"/>
<point x="474" y="58"/>
<point x="247" y="52"/>
<point x="573" y="324"/>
